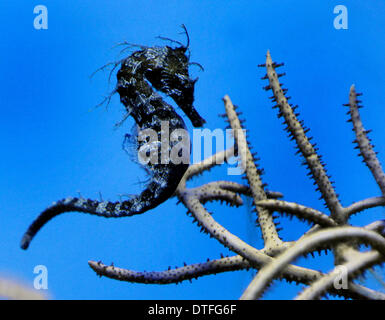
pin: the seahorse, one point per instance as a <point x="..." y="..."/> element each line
<point x="165" y="69"/>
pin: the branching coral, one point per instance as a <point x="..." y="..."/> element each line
<point x="330" y="231"/>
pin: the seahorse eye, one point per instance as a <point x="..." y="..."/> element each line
<point x="178" y="64"/>
<point x="184" y="59"/>
<point x="181" y="50"/>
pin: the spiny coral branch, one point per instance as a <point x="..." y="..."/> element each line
<point x="308" y="244"/>
<point x="240" y="188"/>
<point x="205" y="165"/>
<point x="212" y="191"/>
<point x="298" y="133"/>
<point x="364" y="204"/>
<point x="177" y="275"/>
<point x="364" y="144"/>
<point x="204" y="218"/>
<point x="234" y="263"/>
<point x="363" y="293"/>
<point x="265" y="220"/>
<point x="301" y="212"/>
<point x="352" y="268"/>
<point x="255" y="257"/>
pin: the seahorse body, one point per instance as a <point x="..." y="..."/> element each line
<point x="166" y="68"/>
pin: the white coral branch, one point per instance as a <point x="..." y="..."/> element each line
<point x="308" y="244"/>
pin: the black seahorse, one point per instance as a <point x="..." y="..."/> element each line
<point x="167" y="70"/>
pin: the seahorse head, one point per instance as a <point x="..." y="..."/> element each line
<point x="170" y="74"/>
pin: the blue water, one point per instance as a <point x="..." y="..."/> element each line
<point x="55" y="142"/>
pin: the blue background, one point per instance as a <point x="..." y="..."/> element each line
<point x="55" y="143"/>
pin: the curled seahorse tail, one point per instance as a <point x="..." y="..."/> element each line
<point x="99" y="208"/>
<point x="152" y="196"/>
<point x="41" y="220"/>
